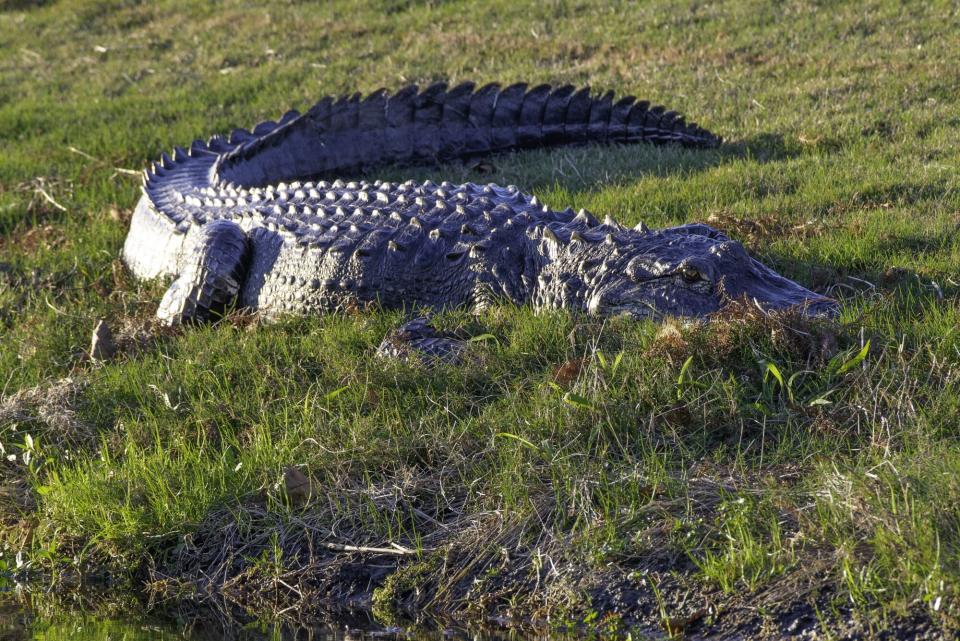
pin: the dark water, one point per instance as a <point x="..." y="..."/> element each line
<point x="47" y="618"/>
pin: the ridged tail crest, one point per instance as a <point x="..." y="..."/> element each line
<point x="439" y="124"/>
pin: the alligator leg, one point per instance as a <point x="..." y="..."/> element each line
<point x="418" y="339"/>
<point x="210" y="276"/>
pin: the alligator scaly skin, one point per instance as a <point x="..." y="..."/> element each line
<point x="245" y="221"/>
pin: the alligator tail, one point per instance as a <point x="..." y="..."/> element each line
<point x="440" y="124"/>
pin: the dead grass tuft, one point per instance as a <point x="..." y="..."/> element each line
<point x="670" y="343"/>
<point x="763" y="229"/>
<point x="32" y="421"/>
<point x="806" y="339"/>
<point x="50" y="409"/>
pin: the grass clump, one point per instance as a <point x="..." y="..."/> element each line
<point x="747" y="546"/>
<point x="895" y="527"/>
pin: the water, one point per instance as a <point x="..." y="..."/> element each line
<point x="47" y="619"/>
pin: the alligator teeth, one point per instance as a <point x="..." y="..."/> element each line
<point x="641" y="226"/>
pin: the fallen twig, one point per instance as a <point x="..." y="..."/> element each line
<point x="46" y="196"/>
<point x="119" y="170"/>
<point x="396" y="549"/>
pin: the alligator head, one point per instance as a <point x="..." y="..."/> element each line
<point x="687" y="271"/>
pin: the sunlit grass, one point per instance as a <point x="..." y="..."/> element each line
<point x="756" y="449"/>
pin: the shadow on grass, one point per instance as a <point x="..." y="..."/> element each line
<point x="915" y="244"/>
<point x="22" y="5"/>
<point x="584" y="167"/>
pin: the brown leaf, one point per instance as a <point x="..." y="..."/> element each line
<point x="118" y="215"/>
<point x="298" y="487"/>
<point x="567" y="373"/>
<point x="102" y="345"/>
<point x="675" y="626"/>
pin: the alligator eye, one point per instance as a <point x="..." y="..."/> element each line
<point x="691" y="274"/>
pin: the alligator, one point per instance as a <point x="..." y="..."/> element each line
<point x="259" y="220"/>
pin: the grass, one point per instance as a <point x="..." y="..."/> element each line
<point x="759" y="462"/>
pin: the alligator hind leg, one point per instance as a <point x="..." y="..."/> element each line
<point x="419" y="340"/>
<point x="210" y="277"/>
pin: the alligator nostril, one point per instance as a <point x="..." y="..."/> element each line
<point x="729" y="247"/>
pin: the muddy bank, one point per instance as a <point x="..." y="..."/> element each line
<point x="487" y="575"/>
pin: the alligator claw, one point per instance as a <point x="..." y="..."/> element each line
<point x="418" y="341"/>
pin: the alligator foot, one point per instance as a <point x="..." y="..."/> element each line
<point x="211" y="275"/>
<point x="419" y="340"/>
